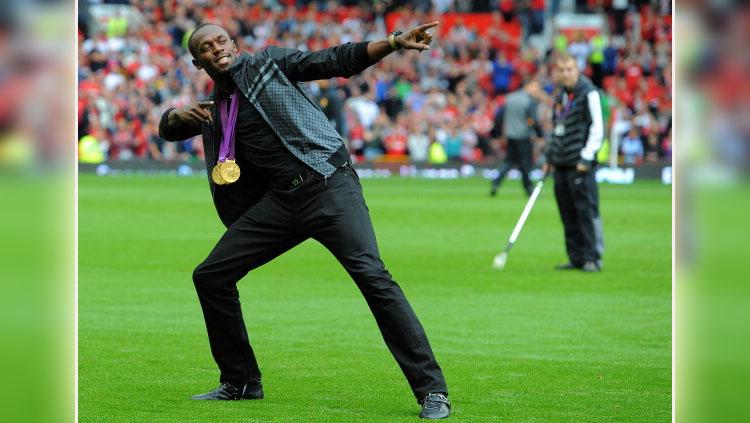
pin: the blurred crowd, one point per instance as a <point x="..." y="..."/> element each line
<point x="441" y="105"/>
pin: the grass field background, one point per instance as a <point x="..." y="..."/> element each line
<point x="525" y="344"/>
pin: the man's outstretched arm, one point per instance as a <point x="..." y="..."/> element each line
<point x="347" y="59"/>
<point x="415" y="39"/>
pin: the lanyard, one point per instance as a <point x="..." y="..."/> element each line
<point x="568" y="101"/>
<point x="228" y="122"/>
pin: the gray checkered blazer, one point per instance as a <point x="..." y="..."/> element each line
<point x="272" y="80"/>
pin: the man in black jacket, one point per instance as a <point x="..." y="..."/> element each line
<point x="577" y="136"/>
<point x="295" y="182"/>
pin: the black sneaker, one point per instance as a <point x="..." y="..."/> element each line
<point x="567" y="266"/>
<point x="435" y="406"/>
<point x="229" y="392"/>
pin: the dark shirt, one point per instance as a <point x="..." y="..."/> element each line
<point x="393" y="106"/>
<point x="258" y="146"/>
<point x="303" y="129"/>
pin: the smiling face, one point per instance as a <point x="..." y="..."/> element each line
<point x="213" y="50"/>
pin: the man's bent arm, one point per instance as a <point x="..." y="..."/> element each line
<point x="596" y="130"/>
<point x="172" y="129"/>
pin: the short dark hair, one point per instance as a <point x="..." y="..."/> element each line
<point x="564" y="57"/>
<point x="192" y="49"/>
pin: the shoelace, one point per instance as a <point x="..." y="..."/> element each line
<point x="432" y="405"/>
<point x="434" y="401"/>
<point x="224" y="389"/>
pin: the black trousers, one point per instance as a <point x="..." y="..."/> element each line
<point x="577" y="197"/>
<point x="334" y="213"/>
<point x="518" y="155"/>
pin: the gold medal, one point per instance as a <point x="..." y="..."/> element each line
<point x="230" y="172"/>
<point x="216" y="175"/>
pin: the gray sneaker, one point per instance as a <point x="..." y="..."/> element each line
<point x="435" y="406"/>
<point x="590" y="266"/>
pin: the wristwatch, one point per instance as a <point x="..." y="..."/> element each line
<point x="392" y="39"/>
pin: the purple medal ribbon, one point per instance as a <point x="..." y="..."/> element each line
<point x="568" y="104"/>
<point x="228" y="122"/>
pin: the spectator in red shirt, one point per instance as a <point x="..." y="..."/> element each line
<point x="648" y="24"/>
<point x="536" y="11"/>
<point x="508" y="9"/>
<point x="624" y="93"/>
<point x="633" y="73"/>
<point x="395" y="141"/>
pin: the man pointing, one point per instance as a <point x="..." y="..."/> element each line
<point x="280" y="174"/>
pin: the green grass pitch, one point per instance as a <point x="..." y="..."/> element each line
<point x="525" y="344"/>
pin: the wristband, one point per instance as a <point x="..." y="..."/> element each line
<point x="392" y="39"/>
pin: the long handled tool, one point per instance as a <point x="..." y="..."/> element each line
<point x="501" y="258"/>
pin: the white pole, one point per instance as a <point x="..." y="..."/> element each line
<point x="526" y="211"/>
<point x="614" y="141"/>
